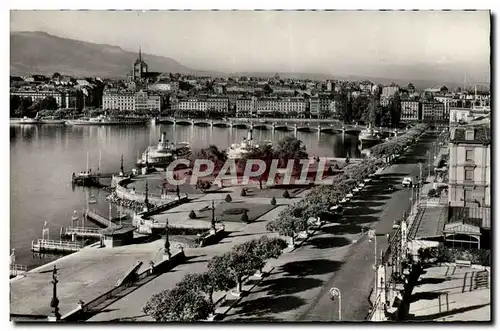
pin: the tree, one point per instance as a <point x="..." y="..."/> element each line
<point x="179" y="304"/>
<point x="287" y="224"/>
<point x="56" y="75"/>
<point x="213" y="154"/>
<point x="208" y="282"/>
<point x="273" y="201"/>
<point x="269" y="248"/>
<point x="343" y="104"/>
<point x="290" y="148"/>
<point x="192" y="215"/>
<point x="411" y="88"/>
<point x="264" y="153"/>
<point x="244" y="217"/>
<point x="239" y="262"/>
<point x="443" y="89"/>
<point x="228" y="198"/>
<point x="15" y="103"/>
<point x="267" y="89"/>
<point x="286" y="194"/>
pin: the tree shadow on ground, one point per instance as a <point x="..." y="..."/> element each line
<point x="342" y="229"/>
<point x="289" y="285"/>
<point x="360" y="210"/>
<point x="328" y="242"/>
<point x="425" y="296"/>
<point x="269" y="305"/>
<point x="431" y="280"/>
<point x="354" y="219"/>
<point x="310" y="267"/>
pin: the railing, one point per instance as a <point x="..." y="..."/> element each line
<point x="377" y="308"/>
<point x="17" y="268"/>
<point x="82" y="230"/>
<point x="45" y="244"/>
<point x="98" y="218"/>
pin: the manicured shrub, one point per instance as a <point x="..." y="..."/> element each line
<point x="286" y="194"/>
<point x="243" y="192"/>
<point x="192" y="215"/>
<point x="244" y="218"/>
<point x="228" y="198"/>
<point x="273" y="201"/>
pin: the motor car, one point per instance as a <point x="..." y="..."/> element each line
<point x="407" y="182"/>
<point x="396" y="224"/>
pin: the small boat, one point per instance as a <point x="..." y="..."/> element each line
<point x="52" y="120"/>
<point x="25" y="120"/>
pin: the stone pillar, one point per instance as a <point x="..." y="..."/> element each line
<point x="295" y="130"/>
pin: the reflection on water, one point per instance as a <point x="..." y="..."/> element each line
<point x="44" y="157"/>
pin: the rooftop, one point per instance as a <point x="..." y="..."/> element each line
<point x="482" y="134"/>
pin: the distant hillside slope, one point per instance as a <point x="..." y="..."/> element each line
<point x="40" y="52"/>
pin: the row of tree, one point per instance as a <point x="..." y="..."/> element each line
<point x="316" y="205"/>
<point x="397" y="144"/>
<point x="24" y="106"/>
<point x="192" y="300"/>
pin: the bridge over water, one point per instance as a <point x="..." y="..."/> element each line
<point x="280" y="124"/>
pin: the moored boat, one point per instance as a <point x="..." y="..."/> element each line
<point x="161" y="155"/>
<point x="237" y="151"/>
<point x="107" y="120"/>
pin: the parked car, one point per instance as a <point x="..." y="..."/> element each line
<point x="407" y="182"/>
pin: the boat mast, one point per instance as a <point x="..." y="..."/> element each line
<point x="87" y="162"/>
<point x="99" y="166"/>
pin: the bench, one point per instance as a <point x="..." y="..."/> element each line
<point x="463" y="263"/>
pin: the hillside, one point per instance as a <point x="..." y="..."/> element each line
<point x="42" y="53"/>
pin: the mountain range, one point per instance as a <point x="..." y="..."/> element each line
<point x="43" y="53"/>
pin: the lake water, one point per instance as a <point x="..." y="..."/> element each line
<point x="42" y="159"/>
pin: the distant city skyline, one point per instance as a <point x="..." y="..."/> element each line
<point x="331" y="42"/>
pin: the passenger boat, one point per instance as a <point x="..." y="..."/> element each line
<point x="237" y="151"/>
<point x="25" y="120"/>
<point x="161" y="155"/>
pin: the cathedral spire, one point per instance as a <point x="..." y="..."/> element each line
<point x="140" y="53"/>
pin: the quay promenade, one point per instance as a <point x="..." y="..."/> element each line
<point x="93" y="271"/>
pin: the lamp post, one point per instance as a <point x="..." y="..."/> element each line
<point x="167" y="242"/>
<point x="335" y="292"/>
<point x="373" y="235"/>
<point x="146" y="200"/>
<point x="54" y="302"/>
<point x="213" y="215"/>
<point x="122" y="172"/>
<point x="429" y="168"/>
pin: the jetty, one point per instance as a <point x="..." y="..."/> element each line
<point x="99" y="219"/>
<point x="82" y="232"/>
<point x="17" y="270"/>
<point x="54" y="246"/>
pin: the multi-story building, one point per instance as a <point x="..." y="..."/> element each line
<point x="389" y="91"/>
<point x="433" y="111"/>
<point x="164" y="86"/>
<point x="64" y="99"/>
<point x="458" y="115"/>
<point x="470" y="166"/>
<point x="330" y="86"/>
<point x="283" y="90"/>
<point x="291" y="105"/>
<point x="266" y="105"/>
<point x="409" y="111"/>
<point x="191" y="104"/>
<point x="245" y="105"/>
<point x="321" y="104"/>
<point x="218" y="104"/>
<point x="366" y="87"/>
<point x="126" y="100"/>
<point x="384" y="101"/>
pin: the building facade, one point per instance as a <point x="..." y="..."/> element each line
<point x="410" y="111"/>
<point x="218" y="104"/>
<point x="389" y="91"/>
<point x="67" y="99"/>
<point x="433" y="111"/>
<point x="130" y="101"/>
<point x="245" y="105"/>
<point x="469" y="166"/>
<point x="190" y="104"/>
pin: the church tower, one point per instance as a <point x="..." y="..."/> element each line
<point x="140" y="67"/>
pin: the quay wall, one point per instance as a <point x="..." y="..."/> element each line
<point x="124" y="193"/>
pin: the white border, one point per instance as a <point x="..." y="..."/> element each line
<point x="175" y="4"/>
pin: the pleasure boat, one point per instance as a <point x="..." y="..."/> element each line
<point x="26" y="120"/>
<point x="237" y="151"/>
<point x="161" y="155"/>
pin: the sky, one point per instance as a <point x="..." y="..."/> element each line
<point x="280" y="41"/>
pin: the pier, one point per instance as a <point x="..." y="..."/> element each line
<point x="82" y="232"/>
<point x="96" y="218"/>
<point x="59" y="246"/>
